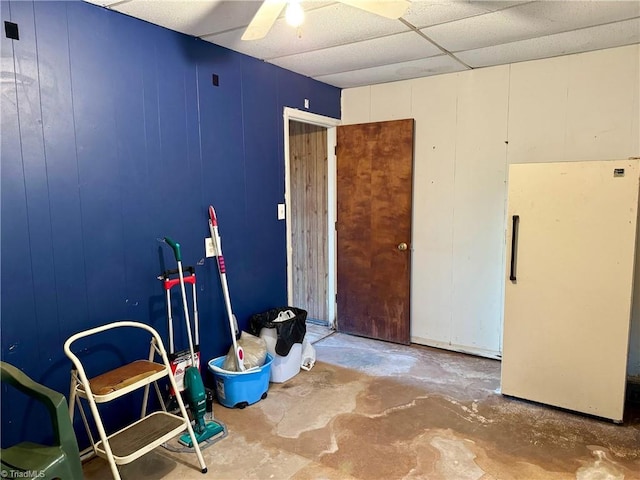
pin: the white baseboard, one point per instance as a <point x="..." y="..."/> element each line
<point x="480" y="352"/>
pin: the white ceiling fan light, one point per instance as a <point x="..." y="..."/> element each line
<point x="294" y="14"/>
<point x="270" y="10"/>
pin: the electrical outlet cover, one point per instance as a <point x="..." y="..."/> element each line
<point x="209" y="248"/>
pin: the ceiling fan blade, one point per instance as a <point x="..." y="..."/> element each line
<point x="264" y="19"/>
<point x="386" y="8"/>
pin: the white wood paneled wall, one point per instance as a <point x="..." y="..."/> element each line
<point x="570" y="108"/>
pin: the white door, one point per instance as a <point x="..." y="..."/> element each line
<point x="292" y="115"/>
<point x="569" y="284"/>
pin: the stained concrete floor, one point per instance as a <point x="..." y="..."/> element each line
<point x="373" y="410"/>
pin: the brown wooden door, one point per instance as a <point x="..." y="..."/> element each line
<point x="374" y="180"/>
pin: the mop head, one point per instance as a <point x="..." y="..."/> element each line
<point x="255" y="353"/>
<point x="211" y="429"/>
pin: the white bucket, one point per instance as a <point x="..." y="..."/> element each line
<point x="282" y="368"/>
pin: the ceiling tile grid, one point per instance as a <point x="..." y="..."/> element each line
<point x="346" y="46"/>
<point x="360" y="55"/>
<point x="427" y="13"/>
<point x="535" y="19"/>
<point x="424" y="67"/>
<point x="610" y="35"/>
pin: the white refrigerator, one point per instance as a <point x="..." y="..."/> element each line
<point x="571" y="243"/>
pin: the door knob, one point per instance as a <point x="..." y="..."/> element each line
<point x="402" y="246"/>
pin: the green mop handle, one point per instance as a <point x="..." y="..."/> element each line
<point x="176" y="248"/>
<point x="176" y="251"/>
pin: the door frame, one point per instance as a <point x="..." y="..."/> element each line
<point x="293" y="114"/>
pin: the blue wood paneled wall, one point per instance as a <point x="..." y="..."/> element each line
<point x="113" y="135"/>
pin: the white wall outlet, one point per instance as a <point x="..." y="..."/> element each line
<point x="209" y="249"/>
<point x="306" y="103"/>
<point x="281" y="210"/>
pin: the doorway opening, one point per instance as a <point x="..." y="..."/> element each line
<point x="310" y="200"/>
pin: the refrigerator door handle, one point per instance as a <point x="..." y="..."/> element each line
<point x="515" y="219"/>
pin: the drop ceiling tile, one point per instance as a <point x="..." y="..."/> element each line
<point x="529" y="20"/>
<point x="332" y="25"/>
<point x="193" y="17"/>
<point x="356" y="56"/>
<point x="594" y="38"/>
<point x="475" y="29"/>
<point x="424" y="13"/>
<point x="391" y="73"/>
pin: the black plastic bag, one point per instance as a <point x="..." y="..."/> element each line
<point x="289" y="331"/>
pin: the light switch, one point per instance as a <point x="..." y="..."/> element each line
<point x="281" y="211"/>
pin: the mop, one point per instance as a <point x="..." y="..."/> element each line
<point x="193" y="386"/>
<point x="180" y="360"/>
<point x="233" y="325"/>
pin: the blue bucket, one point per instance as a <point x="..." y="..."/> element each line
<point x="240" y="389"/>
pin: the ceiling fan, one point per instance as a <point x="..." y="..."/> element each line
<point x="270" y="10"/>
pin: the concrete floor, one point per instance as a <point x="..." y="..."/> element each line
<point x="373" y="410"/>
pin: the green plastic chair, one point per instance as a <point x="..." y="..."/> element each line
<point x="59" y="461"/>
